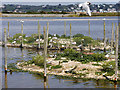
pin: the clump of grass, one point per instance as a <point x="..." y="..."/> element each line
<point x="81" y="74"/>
<point x="58" y="58"/>
<point x="96" y="64"/>
<point x="65" y="61"/>
<point x="37" y="60"/>
<point x="98" y="73"/>
<point x="84" y="69"/>
<point x="56" y="67"/>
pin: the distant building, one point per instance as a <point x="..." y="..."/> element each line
<point x="101" y="10"/>
<point x="18" y="6"/>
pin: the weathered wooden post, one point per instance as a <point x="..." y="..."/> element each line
<point x="6" y="85"/>
<point x="89" y="33"/>
<point x="45" y="85"/>
<point x="1" y="38"/>
<point x="5" y="44"/>
<point x="116" y="55"/>
<point x="22" y="34"/>
<point x="115" y="33"/>
<point x="70" y="36"/>
<point x="8" y="31"/>
<point x="104" y="37"/>
<point x="89" y="27"/>
<point x="47" y="34"/>
<point x="65" y="28"/>
<point x="112" y="38"/>
<point x="119" y="39"/>
<point x="45" y="54"/>
<point x="39" y="34"/>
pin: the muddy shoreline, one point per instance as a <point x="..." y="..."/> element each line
<point x="44" y="15"/>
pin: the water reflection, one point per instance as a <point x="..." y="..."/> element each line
<point x="6" y="85"/>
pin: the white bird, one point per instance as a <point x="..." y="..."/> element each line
<point x="21" y="21"/>
<point x="86" y="7"/>
<point x="13" y="42"/>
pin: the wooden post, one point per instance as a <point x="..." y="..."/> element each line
<point x="65" y="28"/>
<point x="115" y="33"/>
<point x="116" y="56"/>
<point x="47" y="34"/>
<point x="119" y="39"/>
<point x="89" y="34"/>
<point x="44" y="85"/>
<point x="112" y="38"/>
<point x="6" y="85"/>
<point x="89" y="27"/>
<point x="5" y="37"/>
<point x="70" y="36"/>
<point x="104" y="38"/>
<point x="1" y="36"/>
<point x="45" y="53"/>
<point x="8" y="31"/>
<point x="22" y="35"/>
<point x="39" y="34"/>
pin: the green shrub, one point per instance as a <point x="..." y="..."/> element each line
<point x="78" y="35"/>
<point x="57" y="36"/>
<point x="61" y="54"/>
<point x="38" y="60"/>
<point x="63" y="36"/>
<point x="17" y="35"/>
<point x="99" y="57"/>
<point x="69" y="51"/>
<point x="30" y="40"/>
<point x="109" y="69"/>
<point x="11" y="40"/>
<point x="73" y="55"/>
<point x="78" y="39"/>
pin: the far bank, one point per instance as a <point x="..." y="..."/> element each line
<point x="57" y="15"/>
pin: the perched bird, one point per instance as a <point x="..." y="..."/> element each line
<point x="86" y="7"/>
<point x="21" y="21"/>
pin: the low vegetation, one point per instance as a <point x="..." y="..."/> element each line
<point x="56" y="67"/>
<point x="33" y="39"/>
<point x="83" y="58"/>
<point x="109" y="67"/>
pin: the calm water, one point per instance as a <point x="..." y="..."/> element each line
<point x="57" y="27"/>
<point x="27" y="80"/>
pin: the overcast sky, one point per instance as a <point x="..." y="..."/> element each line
<point x="60" y="0"/>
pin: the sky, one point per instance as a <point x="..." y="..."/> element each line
<point x="59" y="0"/>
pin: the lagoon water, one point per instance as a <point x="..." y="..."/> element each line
<point x="27" y="80"/>
<point x="57" y="27"/>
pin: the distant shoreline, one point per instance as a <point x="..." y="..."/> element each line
<point x="49" y="15"/>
